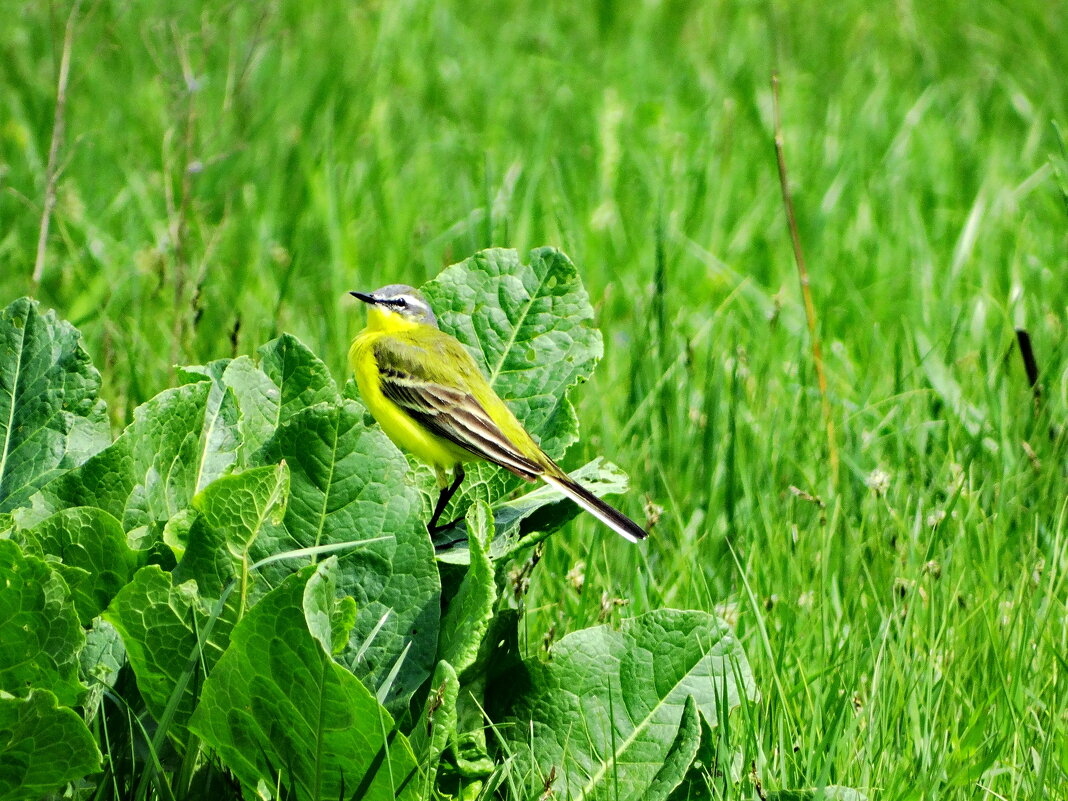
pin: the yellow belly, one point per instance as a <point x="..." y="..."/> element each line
<point x="403" y="430"/>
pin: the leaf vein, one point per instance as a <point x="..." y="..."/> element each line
<point x="534" y="296"/>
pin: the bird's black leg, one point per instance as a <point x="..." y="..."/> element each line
<point x="443" y="500"/>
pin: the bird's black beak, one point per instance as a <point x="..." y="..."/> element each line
<point x="366" y="297"/>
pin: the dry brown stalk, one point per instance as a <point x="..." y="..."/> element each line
<point x="806" y="292"/>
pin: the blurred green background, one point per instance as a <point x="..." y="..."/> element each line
<point x="230" y="170"/>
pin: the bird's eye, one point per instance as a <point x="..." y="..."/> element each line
<point x="402" y="303"/>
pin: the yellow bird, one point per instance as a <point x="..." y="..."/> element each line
<point x="431" y="399"/>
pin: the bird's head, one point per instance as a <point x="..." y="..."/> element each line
<point x="397" y="306"/>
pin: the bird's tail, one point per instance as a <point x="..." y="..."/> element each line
<point x="613" y="518"/>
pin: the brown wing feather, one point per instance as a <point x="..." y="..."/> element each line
<point x="448" y="411"/>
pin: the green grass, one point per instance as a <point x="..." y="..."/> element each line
<point x="230" y="171"/>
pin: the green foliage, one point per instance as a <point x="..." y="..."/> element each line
<point x="40" y="632"/>
<point x="436" y="726"/>
<point x="680" y="756"/>
<point x="91" y="552"/>
<point x="100" y="663"/>
<point x="280" y="710"/>
<point x="614" y="712"/>
<point x="43" y="745"/>
<point x="229" y="516"/>
<point x="152" y="470"/>
<point x="349" y="486"/>
<point x="227" y="172"/>
<point x="50" y="416"/>
<point x="291" y="620"/>
<point x="470" y="609"/>
<point x="163" y="626"/>
<point x="830" y="793"/>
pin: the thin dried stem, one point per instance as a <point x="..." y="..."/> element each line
<point x="806" y="292"/>
<point x="59" y="123"/>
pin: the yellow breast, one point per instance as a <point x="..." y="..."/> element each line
<point x="405" y="432"/>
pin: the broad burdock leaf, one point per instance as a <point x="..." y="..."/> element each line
<point x="285" y="379"/>
<point x="470" y="609"/>
<point x="50" y="416"/>
<point x="257" y="400"/>
<point x="240" y="506"/>
<point x="249" y="390"/>
<point x="228" y="516"/>
<point x="467" y="619"/>
<point x="222" y="430"/>
<point x="349" y="484"/>
<point x="300" y="376"/>
<point x="705" y="765"/>
<point x="95" y="560"/>
<point x="279" y="711"/>
<point x="39" y="632"/>
<point x="161" y="624"/>
<point x="530" y="328"/>
<point x="329" y="618"/>
<point x="42" y="746"/>
<point x="605" y="711"/>
<point x="498" y="658"/>
<point x="174" y="447"/>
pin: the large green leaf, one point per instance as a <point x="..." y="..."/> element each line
<point x="258" y="401"/>
<point x="471" y="608"/>
<point x="162" y="625"/>
<point x="285" y="379"/>
<point x="230" y="514"/>
<point x="95" y="560"/>
<point x="42" y="746"/>
<point x="301" y="378"/>
<point x="39" y="632"/>
<point x="278" y="709"/>
<point x="50" y="416"/>
<point x="705" y="765"/>
<point x="469" y="615"/>
<point x="348" y="484"/>
<point x="605" y="711"/>
<point x="175" y="446"/>
<point x="530" y="328"/>
<point x="241" y="506"/>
